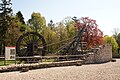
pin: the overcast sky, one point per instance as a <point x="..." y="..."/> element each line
<point x="105" y="12"/>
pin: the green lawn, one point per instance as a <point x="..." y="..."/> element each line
<point x="7" y="62"/>
<point x="48" y="60"/>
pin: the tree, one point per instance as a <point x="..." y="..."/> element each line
<point x="15" y="29"/>
<point x="5" y="10"/>
<point x="61" y="30"/>
<point x="118" y="39"/>
<point x="111" y="40"/>
<point x="20" y="17"/>
<point x="51" y="37"/>
<point x="69" y="26"/>
<point x="92" y="35"/>
<point x="115" y="32"/>
<point x="13" y="32"/>
<point x="37" y="22"/>
<point x="51" y="25"/>
<point x="5" y="13"/>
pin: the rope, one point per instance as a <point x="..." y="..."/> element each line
<point x="58" y="42"/>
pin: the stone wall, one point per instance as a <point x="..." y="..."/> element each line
<point x="100" y="55"/>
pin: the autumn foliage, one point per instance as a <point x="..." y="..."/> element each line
<point x="92" y="35"/>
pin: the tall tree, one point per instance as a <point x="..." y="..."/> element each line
<point x="5" y="12"/>
<point x="37" y="22"/>
<point x="13" y="32"/>
<point x="20" y="17"/>
<point x="92" y="35"/>
<point x="15" y="29"/>
<point x="62" y="31"/>
<point x="51" y="24"/>
<point x="69" y="23"/>
<point x="115" y="32"/>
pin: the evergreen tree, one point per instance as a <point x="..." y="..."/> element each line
<point x="5" y="12"/>
<point x="20" y="17"/>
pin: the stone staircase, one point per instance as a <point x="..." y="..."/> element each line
<point x="26" y="67"/>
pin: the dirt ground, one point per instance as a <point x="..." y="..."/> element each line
<point x="105" y="71"/>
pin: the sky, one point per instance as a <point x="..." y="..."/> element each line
<point x="105" y="12"/>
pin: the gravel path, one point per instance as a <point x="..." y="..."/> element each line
<point x="106" y="71"/>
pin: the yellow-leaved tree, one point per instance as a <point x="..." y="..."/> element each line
<point x="111" y="40"/>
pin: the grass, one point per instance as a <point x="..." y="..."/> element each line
<point x="48" y="60"/>
<point x="7" y="62"/>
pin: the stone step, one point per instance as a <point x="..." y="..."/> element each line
<point x="26" y="67"/>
